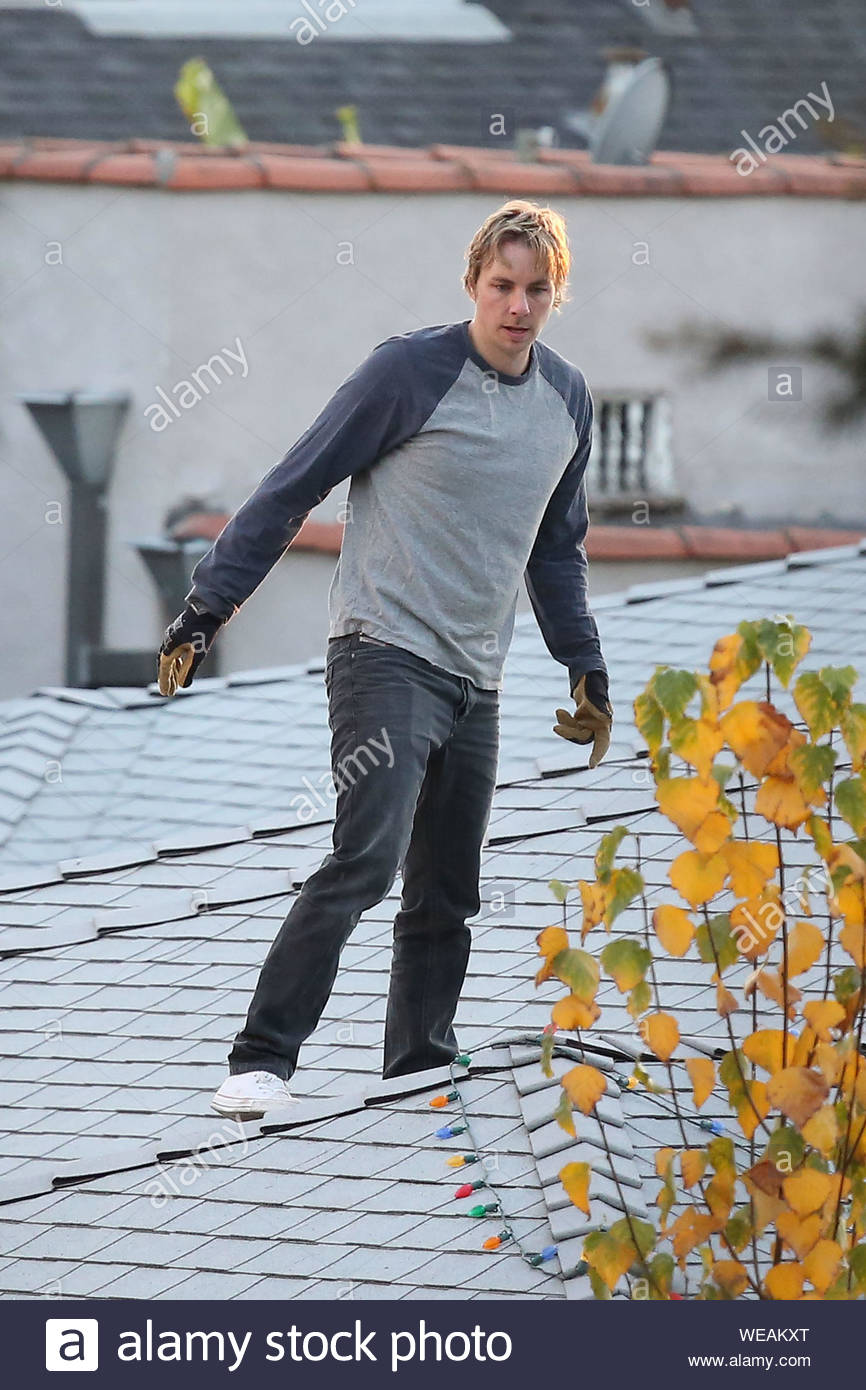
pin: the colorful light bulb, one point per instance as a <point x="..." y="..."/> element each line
<point x="448" y="1131"/>
<point x="460" y="1160"/>
<point x="438" y="1101"/>
<point x="469" y="1187"/>
<point x="486" y="1210"/>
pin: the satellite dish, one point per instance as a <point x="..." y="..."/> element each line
<point x="627" y="130"/>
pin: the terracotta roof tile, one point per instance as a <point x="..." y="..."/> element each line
<point x="444" y="168"/>
<point x="230" y="172"/>
<point x="138" y="169"/>
<point x="611" y="541"/>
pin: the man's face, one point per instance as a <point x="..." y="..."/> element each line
<point x="513" y="301"/>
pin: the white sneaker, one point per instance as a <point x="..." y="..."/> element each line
<point x="251" y="1094"/>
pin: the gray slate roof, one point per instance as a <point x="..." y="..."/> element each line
<point x="130" y="941"/>
<point x="736" y="66"/>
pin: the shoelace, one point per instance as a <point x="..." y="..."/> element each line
<point x="273" y="1083"/>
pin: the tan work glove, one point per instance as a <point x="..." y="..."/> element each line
<point x="184" y="646"/>
<point x="593" y="717"/>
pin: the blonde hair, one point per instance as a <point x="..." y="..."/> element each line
<point x="542" y="229"/>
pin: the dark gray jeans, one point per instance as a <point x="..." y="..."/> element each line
<point x="413" y="756"/>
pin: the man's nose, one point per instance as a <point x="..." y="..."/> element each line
<point x="519" y="304"/>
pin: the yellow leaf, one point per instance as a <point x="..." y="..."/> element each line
<point x="584" y="1087"/>
<point x="593" y="903"/>
<point x="551" y="941"/>
<point x="822" y="1130"/>
<point x="570" y="1013"/>
<point x="698" y="877"/>
<point x="807" y="1190"/>
<point x="821" y="1264"/>
<point x="719" y="1195"/>
<point x="784" y="1281"/>
<point x="575" y="1179"/>
<point x="702" y="1075"/>
<point x="798" y="1092"/>
<point x="769" y="982"/>
<point x="730" y="1276"/>
<point x="698" y="741"/>
<point x="822" y="1015"/>
<point x="754" y="923"/>
<point x="663" y="1160"/>
<point x="753" y="1108"/>
<point x="688" y="802"/>
<point x="750" y="863"/>
<point x="805" y="944"/>
<point x="765" y="1049"/>
<point x="661" y="1034"/>
<point x="852" y="938"/>
<point x="780" y="800"/>
<point x="827" y="1060"/>
<point x="610" y="1258"/>
<point x="725" y="1001"/>
<point x="693" y="1162"/>
<point x="799" y="1232"/>
<point x="690" y="1229"/>
<point x="727" y="671"/>
<point x="755" y="731"/>
<point x="674" y="929"/>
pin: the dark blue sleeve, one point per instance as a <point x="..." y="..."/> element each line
<point x="372" y="412"/>
<point x="556" y="574"/>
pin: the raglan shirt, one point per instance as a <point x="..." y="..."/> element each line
<point x="462" y="480"/>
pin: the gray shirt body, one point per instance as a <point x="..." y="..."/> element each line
<point x="463" y="480"/>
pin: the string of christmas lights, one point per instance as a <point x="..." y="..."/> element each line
<point x="508" y="1235"/>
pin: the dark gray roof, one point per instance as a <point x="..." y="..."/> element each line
<point x="739" y="65"/>
<point x="130" y="945"/>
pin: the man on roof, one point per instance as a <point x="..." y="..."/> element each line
<point x="466" y="445"/>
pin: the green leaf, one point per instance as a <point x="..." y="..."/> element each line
<point x="650" y="720"/>
<point x="626" y="961"/>
<point x="718" y="935"/>
<point x="662" y="764"/>
<point x="640" y="999"/>
<point x="720" y="1152"/>
<point x="673" y="689"/>
<point x="820" y="832"/>
<point x="846" y="983"/>
<point x="628" y="884"/>
<point x="850" y="797"/>
<point x="559" y="890"/>
<point x="661" y="1267"/>
<point x="738" y="1228"/>
<point x="723" y="773"/>
<point x="731" y="1077"/>
<point x="812" y="764"/>
<point x="840" y="681"/>
<point x="579" y="970"/>
<point x="627" y="1233"/>
<point x="563" y="1116"/>
<point x="750" y="656"/>
<point x="547" y="1041"/>
<point x="786" y="1144"/>
<point x="203" y="102"/>
<point x="857" y="1261"/>
<point x="815" y="703"/>
<point x="606" y="852"/>
<point x="783" y="644"/>
<point x="853" y="726"/>
<point x="597" y="1284"/>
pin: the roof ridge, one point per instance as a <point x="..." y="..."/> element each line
<point x="185" y="165"/>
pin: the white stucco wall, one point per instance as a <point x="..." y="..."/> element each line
<point x="152" y="284"/>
